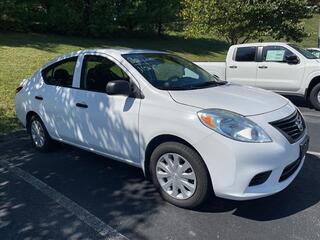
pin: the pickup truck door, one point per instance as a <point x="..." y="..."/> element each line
<point x="242" y="66"/>
<point x="275" y="73"/>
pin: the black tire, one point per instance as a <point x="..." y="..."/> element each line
<point x="203" y="186"/>
<point x="315" y="92"/>
<point x="48" y="142"/>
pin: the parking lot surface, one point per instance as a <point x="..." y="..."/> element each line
<point x="73" y="194"/>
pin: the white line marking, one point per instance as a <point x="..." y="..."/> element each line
<point x="314" y="153"/>
<point x="95" y="223"/>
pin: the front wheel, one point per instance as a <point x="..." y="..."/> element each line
<point x="315" y="96"/>
<point x="180" y="175"/>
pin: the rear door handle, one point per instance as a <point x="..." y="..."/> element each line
<point x="38" y="97"/>
<point x="82" y="105"/>
<point x="233" y="66"/>
<point x="262" y="67"/>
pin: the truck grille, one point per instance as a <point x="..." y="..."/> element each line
<point x="292" y="127"/>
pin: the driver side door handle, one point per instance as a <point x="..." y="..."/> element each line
<point x="82" y="105"/>
<point x="262" y="67"/>
<point x="38" y="97"/>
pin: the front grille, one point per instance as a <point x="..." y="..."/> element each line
<point x="292" y="127"/>
<point x="290" y="169"/>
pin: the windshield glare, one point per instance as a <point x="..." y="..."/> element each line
<point x="169" y="72"/>
<point x="304" y="52"/>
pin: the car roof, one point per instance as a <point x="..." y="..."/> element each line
<point x="261" y="44"/>
<point x="114" y="52"/>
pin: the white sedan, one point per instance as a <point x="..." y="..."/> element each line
<point x="189" y="132"/>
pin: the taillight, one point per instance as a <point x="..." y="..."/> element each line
<point x="18" y="89"/>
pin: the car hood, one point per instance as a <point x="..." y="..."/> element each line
<point x="243" y="100"/>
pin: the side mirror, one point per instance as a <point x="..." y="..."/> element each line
<point x="292" y="59"/>
<point x="118" y="87"/>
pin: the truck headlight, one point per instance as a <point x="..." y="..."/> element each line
<point x="233" y="125"/>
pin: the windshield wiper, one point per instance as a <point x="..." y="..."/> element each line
<point x="208" y="84"/>
<point x="196" y="86"/>
<point x="222" y="82"/>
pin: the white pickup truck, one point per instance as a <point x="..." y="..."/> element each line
<point x="280" y="67"/>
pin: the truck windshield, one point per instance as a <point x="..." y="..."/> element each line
<point x="304" y="52"/>
<point x="168" y="72"/>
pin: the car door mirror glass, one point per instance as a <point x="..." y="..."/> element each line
<point x="118" y="87"/>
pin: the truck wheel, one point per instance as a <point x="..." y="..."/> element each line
<point x="315" y="96"/>
<point x="179" y="174"/>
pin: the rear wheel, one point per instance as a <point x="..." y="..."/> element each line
<point x="315" y="96"/>
<point x="179" y="174"/>
<point x="39" y="134"/>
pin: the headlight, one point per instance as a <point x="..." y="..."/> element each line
<point x="233" y="125"/>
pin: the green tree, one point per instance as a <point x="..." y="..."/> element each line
<point x="239" y="21"/>
<point x="130" y="14"/>
<point x="63" y="17"/>
<point x="19" y="15"/>
<point x="161" y="13"/>
<point x="103" y="17"/>
<point x="88" y="17"/>
<point x="147" y="15"/>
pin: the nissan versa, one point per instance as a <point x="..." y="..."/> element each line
<point x="191" y="133"/>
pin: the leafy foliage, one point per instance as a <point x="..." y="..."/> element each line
<point x="242" y="20"/>
<point x="88" y="17"/>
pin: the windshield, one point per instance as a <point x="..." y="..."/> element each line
<point x="169" y="72"/>
<point x="315" y="52"/>
<point x="304" y="52"/>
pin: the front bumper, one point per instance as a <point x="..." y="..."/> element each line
<point x="232" y="164"/>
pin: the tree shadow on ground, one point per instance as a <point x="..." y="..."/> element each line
<point x="28" y="214"/>
<point x="118" y="191"/>
<point x="113" y="191"/>
<point x="7" y="123"/>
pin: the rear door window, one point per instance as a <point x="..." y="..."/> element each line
<point x="246" y="54"/>
<point x="60" y="73"/>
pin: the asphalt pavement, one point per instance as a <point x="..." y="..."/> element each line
<point x="74" y="194"/>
